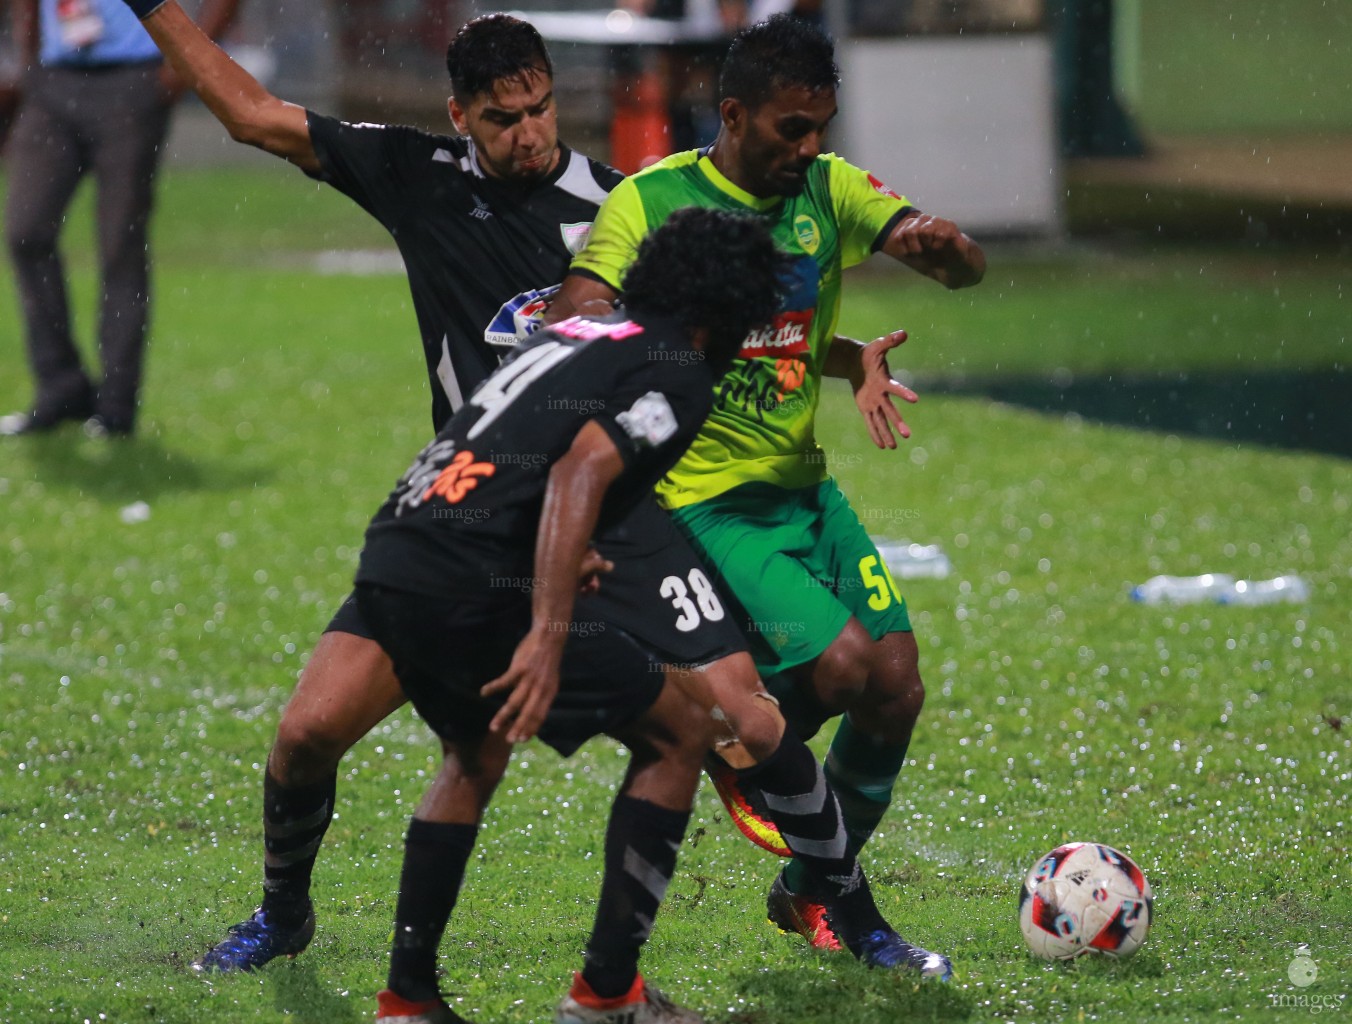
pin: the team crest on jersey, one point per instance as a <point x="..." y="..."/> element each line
<point x="575" y="236"/>
<point x="881" y="189"/>
<point x="809" y="235"/>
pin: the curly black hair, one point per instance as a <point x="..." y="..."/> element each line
<point x="709" y="269"/>
<point x="778" y="53"/>
<point x="492" y="48"/>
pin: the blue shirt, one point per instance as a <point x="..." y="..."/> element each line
<point x="124" y="40"/>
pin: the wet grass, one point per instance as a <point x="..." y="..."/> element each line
<point x="143" y="666"/>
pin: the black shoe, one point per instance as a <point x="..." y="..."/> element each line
<point x="100" y="427"/>
<point x="256" y="942"/>
<point x="17" y="424"/>
<point x="47" y="416"/>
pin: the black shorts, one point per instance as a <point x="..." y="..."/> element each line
<point x="660" y="593"/>
<point x="445" y="649"/>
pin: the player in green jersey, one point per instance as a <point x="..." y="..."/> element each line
<point x="752" y="492"/>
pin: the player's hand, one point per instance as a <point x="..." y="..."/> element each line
<point x="875" y="390"/>
<point x="938" y="249"/>
<point x="926" y="235"/>
<point x="531" y="683"/>
<point x="589" y="575"/>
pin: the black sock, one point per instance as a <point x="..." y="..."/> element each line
<point x="435" y="855"/>
<point x="295" y="819"/>
<point x="803" y="807"/>
<point x="642" y="840"/>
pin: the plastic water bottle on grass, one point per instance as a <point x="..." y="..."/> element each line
<point x="1217" y="588"/>
<point x="906" y="561"/>
<point x="1211" y="586"/>
<point x="1291" y="589"/>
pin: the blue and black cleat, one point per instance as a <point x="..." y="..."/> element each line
<point x="255" y="942"/>
<point x="888" y="950"/>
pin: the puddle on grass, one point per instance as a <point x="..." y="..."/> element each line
<point x="1309" y="410"/>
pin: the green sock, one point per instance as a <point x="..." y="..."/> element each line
<point x="862" y="770"/>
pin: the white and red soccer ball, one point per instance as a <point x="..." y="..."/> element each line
<point x="1085" y="898"/>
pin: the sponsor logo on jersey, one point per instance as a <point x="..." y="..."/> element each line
<point x="575" y="236"/>
<point x="790" y="333"/>
<point x="809" y="235"/>
<point x="582" y="329"/>
<point x="787" y="335"/>
<point x="459" y="478"/>
<point x="649" y="421"/>
<point x="481" y="210"/>
<point x="439" y="470"/>
<point x="880" y="188"/>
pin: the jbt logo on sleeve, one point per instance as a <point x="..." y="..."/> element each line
<point x="649" y="421"/>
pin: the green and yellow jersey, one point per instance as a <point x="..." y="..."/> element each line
<point x="761" y="429"/>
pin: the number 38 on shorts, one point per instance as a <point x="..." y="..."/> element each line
<point x="694" y="599"/>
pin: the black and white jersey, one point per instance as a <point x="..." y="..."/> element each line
<point x="469" y="242"/>
<point x="467" y="511"/>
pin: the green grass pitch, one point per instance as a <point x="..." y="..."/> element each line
<point x="143" y="665"/>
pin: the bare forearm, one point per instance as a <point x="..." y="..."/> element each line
<point x="937" y="248"/>
<point x="579" y="295"/>
<point x="965" y="269"/>
<point x="217" y="16"/>
<point x="24" y="25"/>
<point x="842" y="359"/>
<point x="249" y="112"/>
<point x="567" y="521"/>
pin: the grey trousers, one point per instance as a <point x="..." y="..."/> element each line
<point x="109" y="122"/>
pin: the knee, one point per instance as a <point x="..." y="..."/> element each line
<point x="841" y="674"/>
<point x="307" y="749"/>
<point x="904" y="693"/>
<point x="30" y="240"/>
<point x="896" y="692"/>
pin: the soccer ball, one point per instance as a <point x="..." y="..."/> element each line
<point x="1085" y="898"/>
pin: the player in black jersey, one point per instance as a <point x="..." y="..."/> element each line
<point x="478" y="218"/>
<point x="563" y="440"/>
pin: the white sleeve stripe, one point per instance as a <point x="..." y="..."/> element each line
<point x="577" y="180"/>
<point x="446" y="374"/>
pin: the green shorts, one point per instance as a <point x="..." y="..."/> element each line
<point x="799" y="564"/>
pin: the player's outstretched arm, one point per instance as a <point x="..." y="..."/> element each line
<point x="938" y="249"/>
<point x="249" y="112"/>
<point x="577" y="483"/>
<point x="580" y="295"/>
